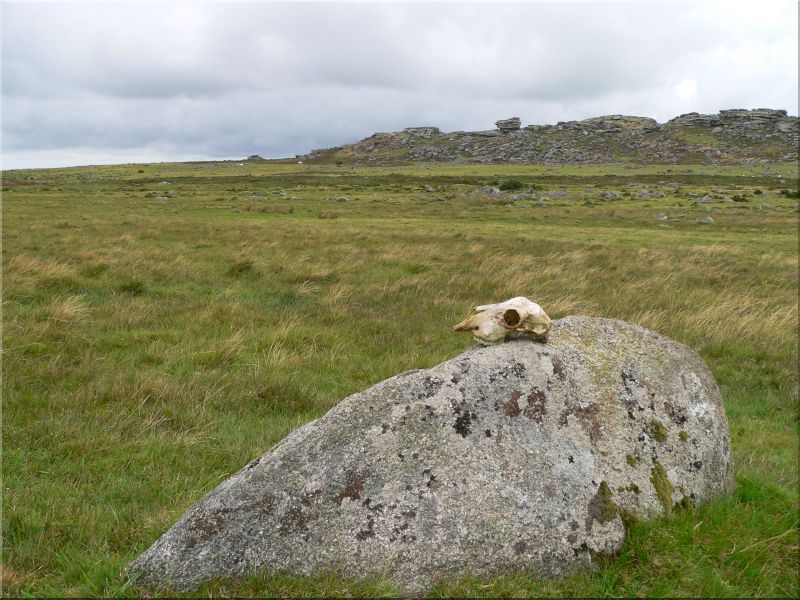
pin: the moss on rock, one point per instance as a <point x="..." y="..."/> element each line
<point x="684" y="504"/>
<point x="607" y="507"/>
<point x="657" y="431"/>
<point x="628" y="517"/>
<point x="662" y="485"/>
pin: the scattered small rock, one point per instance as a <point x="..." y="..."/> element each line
<point x="489" y="190"/>
<point x="556" y="194"/>
<point x="520" y="196"/>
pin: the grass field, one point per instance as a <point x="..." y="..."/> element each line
<point x="166" y="323"/>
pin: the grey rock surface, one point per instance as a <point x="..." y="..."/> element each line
<point x="519" y="455"/>
<point x="489" y="190"/>
<point x="511" y="124"/>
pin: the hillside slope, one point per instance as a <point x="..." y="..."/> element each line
<point x="731" y="136"/>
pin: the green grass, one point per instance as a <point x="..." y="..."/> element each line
<point x="691" y="135"/>
<point x="153" y="347"/>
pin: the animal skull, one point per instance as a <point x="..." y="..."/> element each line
<point x="495" y="322"/>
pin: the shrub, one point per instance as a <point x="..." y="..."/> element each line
<point x="510" y="184"/>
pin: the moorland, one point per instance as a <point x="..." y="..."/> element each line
<point x="166" y="323"/>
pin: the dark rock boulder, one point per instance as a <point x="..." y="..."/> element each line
<point x="519" y="455"/>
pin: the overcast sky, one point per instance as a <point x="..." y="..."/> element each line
<point x="92" y="83"/>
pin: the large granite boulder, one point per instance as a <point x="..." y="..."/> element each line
<point x="520" y="455"/>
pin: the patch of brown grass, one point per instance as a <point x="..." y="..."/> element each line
<point x="67" y="310"/>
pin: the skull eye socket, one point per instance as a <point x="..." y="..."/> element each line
<point x="511" y="317"/>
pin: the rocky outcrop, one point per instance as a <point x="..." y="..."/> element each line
<point x="506" y="125"/>
<point x="521" y="455"/>
<point x="755" y="116"/>
<point x="731" y="136"/>
<point x="610" y="124"/>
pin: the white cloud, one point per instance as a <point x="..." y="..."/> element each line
<point x="685" y="88"/>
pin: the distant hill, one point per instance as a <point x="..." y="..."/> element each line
<point x="731" y="136"/>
